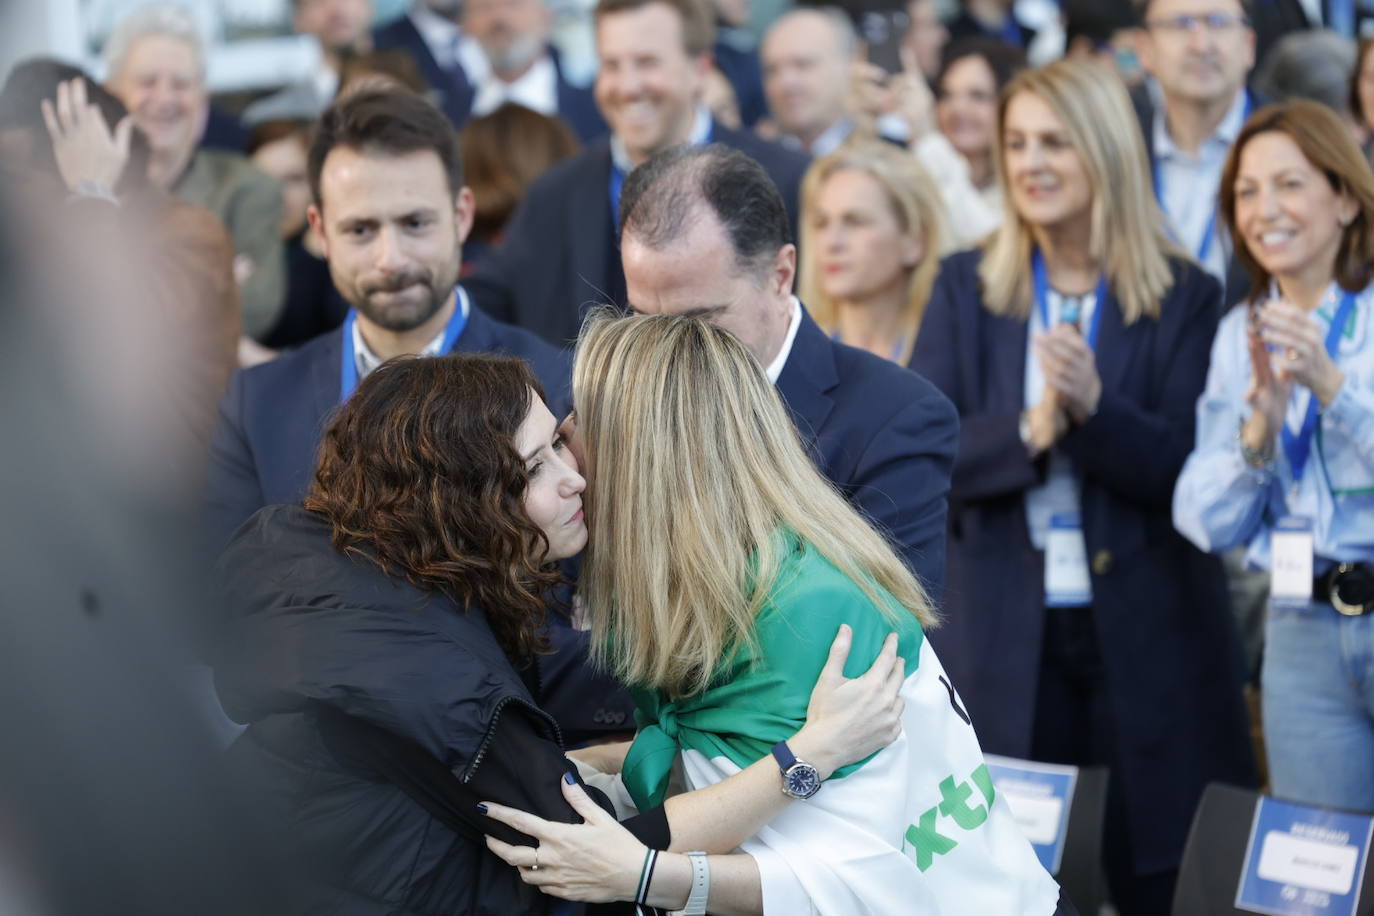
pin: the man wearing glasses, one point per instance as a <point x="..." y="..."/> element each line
<point x="1198" y="53"/>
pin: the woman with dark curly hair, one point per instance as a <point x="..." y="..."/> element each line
<point x="407" y="597"/>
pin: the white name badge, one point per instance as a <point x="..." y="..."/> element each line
<point x="1066" y="563"/>
<point x="1290" y="549"/>
<point x="1303" y="861"/>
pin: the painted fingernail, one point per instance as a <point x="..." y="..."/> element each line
<point x="481" y="808"/>
<point x="570" y="779"/>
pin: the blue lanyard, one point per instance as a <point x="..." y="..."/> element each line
<point x="1298" y="447"/>
<point x="1011" y="32"/>
<point x="348" y="369"/>
<point x="1042" y="296"/>
<point x="1205" y="246"/>
<point x="617" y="183"/>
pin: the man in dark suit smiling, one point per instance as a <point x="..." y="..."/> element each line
<point x="560" y="251"/>
<point x="704" y="231"/>
<point x="392" y="212"/>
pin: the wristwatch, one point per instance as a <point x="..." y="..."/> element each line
<point x="799" y="778"/>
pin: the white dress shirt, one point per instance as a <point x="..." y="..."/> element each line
<point x="366" y="360"/>
<point x="1191" y="183"/>
<point x="776" y="366"/>
<point x="448" y="44"/>
<point x="537" y="89"/>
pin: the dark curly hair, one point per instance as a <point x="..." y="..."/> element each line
<point x="419" y="473"/>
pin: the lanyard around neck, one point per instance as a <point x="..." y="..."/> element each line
<point x="1210" y="230"/>
<point x="348" y="368"/>
<point x="1042" y="294"/>
<point x="1298" y="446"/>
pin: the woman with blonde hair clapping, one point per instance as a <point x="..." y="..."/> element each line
<point x="1082" y="629"/>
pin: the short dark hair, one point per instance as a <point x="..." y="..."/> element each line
<point x="663" y="196"/>
<point x="1004" y="60"/>
<point x="389" y="121"/>
<point x="37" y="78"/>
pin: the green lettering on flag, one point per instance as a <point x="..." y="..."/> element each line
<point x="926" y="842"/>
<point x="954" y="804"/>
<point x="983" y="780"/>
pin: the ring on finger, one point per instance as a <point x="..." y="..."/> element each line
<point x="535" y="866"/>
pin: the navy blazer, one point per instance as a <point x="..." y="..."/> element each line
<point x="882" y="434"/>
<point x="560" y="255"/>
<point x="270" y="422"/>
<point x="1160" y="606"/>
<point x="1237" y="285"/>
<point x="453" y="91"/>
<point x="738" y="61"/>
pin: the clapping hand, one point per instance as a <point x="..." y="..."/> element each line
<point x="86" y="150"/>
<point x="1070" y="367"/>
<point x="1293" y="333"/>
<point x="1267" y="397"/>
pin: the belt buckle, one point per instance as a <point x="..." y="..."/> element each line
<point x="1349" y="610"/>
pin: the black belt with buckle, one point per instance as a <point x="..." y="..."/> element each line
<point x="1348" y="586"/>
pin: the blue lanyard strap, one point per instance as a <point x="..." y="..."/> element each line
<point x="1299" y="446"/>
<point x="1204" y="246"/>
<point x="616" y="184"/>
<point x="1042" y="296"/>
<point x="348" y="364"/>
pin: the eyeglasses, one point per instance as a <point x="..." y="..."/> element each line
<point x="1213" y="23"/>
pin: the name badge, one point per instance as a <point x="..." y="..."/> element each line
<point x="1290" y="549"/>
<point x="1066" y="563"/>
<point x="1039" y="796"/>
<point x="1302" y="861"/>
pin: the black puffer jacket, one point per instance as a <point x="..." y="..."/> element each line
<point x="309" y="625"/>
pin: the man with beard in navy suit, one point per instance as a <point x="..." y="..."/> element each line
<point x="392" y="213"/>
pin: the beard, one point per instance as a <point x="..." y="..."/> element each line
<point x="425" y="292"/>
<point x="519" y="54"/>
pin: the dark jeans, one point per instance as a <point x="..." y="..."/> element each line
<point x="1074" y="725"/>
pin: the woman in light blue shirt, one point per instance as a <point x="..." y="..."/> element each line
<point x="1285" y="441"/>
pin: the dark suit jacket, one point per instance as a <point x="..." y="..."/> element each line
<point x="453" y="91"/>
<point x="263" y="452"/>
<point x="1237" y="284"/>
<point x="882" y="434"/>
<point x="560" y="254"/>
<point x="738" y="62"/>
<point x="1160" y="606"/>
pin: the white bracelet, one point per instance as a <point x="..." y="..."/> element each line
<point x="701" y="885"/>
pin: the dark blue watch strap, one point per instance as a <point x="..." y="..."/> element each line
<point x="784" y="756"/>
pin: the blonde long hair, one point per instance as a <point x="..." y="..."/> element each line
<point x="915" y="202"/>
<point x="1129" y="237"/>
<point x="693" y="468"/>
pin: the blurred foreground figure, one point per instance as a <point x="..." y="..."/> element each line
<point x="71" y="153"/>
<point x="113" y="798"/>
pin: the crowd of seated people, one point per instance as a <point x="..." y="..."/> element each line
<point x="660" y="494"/>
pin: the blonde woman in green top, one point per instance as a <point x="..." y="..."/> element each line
<point x="718" y="566"/>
